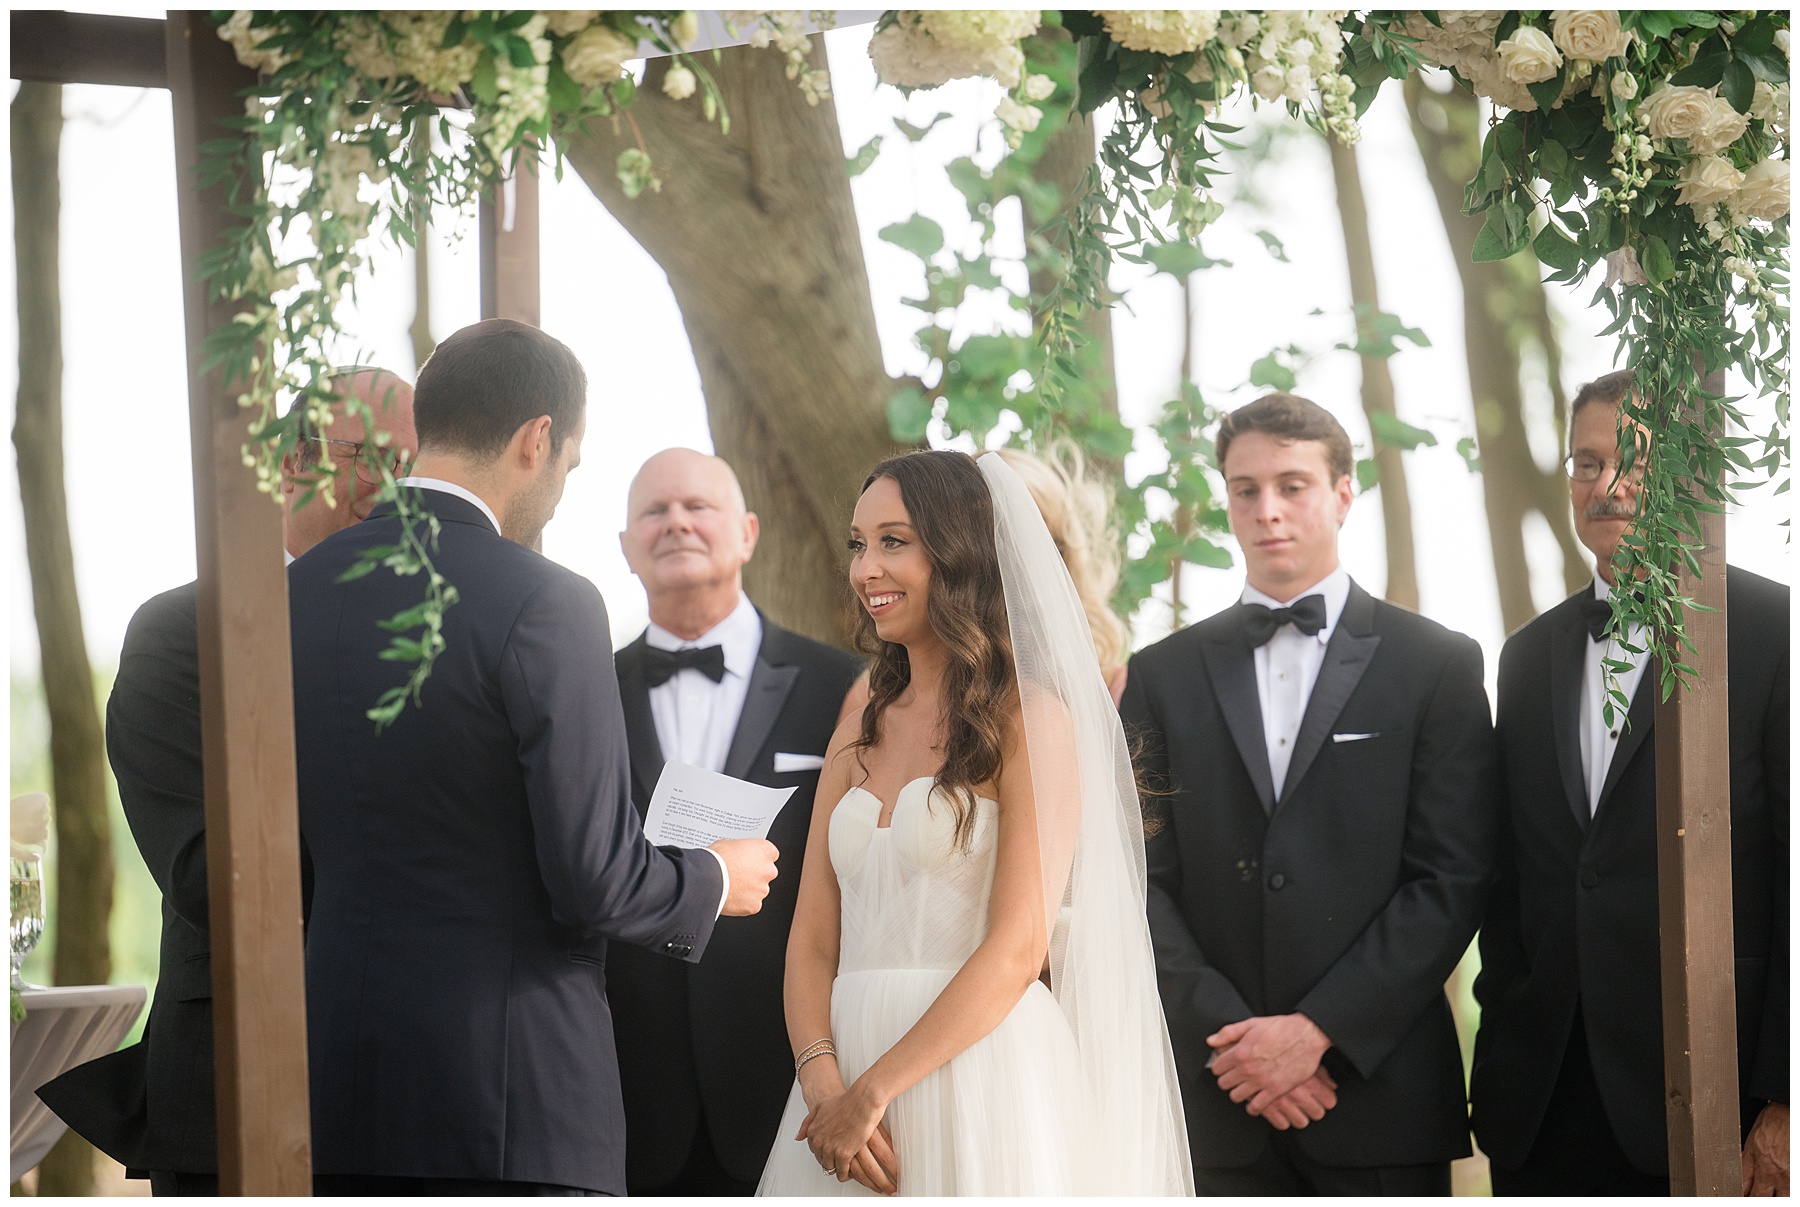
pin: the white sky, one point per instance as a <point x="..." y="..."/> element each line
<point x="125" y="409"/>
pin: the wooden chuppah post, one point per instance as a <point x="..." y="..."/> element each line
<point x="510" y="248"/>
<point x="246" y="696"/>
<point x="1693" y="855"/>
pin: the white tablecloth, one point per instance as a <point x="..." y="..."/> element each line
<point x="63" y="1027"/>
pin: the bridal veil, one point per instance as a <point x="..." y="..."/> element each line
<point x="1091" y="840"/>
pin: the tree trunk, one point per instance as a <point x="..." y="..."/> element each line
<point x="1068" y="154"/>
<point x="757" y="233"/>
<point x="1377" y="381"/>
<point x="420" y="330"/>
<point x="84" y="866"/>
<point x="1499" y="305"/>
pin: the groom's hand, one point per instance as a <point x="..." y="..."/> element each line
<point x="1261" y="1059"/>
<point x="750" y="863"/>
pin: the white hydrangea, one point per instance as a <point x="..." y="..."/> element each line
<point x="974" y="31"/>
<point x="1167" y="31"/>
<point x="909" y="54"/>
<point x="243" y="40"/>
<point x="418" y="49"/>
<point x="1463" y="41"/>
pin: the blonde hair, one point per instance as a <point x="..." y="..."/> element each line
<point x="1077" y="508"/>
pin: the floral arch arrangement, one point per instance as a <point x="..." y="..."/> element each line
<point x="1654" y="143"/>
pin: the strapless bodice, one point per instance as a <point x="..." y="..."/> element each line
<point x="912" y="898"/>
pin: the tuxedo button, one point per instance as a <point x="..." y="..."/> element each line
<point x="1277" y="881"/>
<point x="1590" y="878"/>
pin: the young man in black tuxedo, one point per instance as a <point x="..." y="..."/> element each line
<point x="1568" y="1080"/>
<point x="704" y="1059"/>
<point x="150" y="1106"/>
<point x="472" y="861"/>
<point x="1327" y="837"/>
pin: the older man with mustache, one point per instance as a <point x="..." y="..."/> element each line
<point x="1568" y="1080"/>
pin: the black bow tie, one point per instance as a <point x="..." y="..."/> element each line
<point x="1307" y="615"/>
<point x="660" y="665"/>
<point x="1596" y="614"/>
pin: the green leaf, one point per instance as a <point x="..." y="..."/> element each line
<point x="909" y="415"/>
<point x="918" y="235"/>
<point x="1177" y="259"/>
<point x="1272" y="374"/>
<point x="635" y="172"/>
<point x="484" y="83"/>
<point x="1503" y="235"/>
<point x="1275" y="245"/>
<point x="1656" y="261"/>
<point x="1704" y="71"/>
<point x="1738" y="85"/>
<point x="1200" y="551"/>
<point x="1770" y="67"/>
<point x="1390" y="429"/>
<point x="1555" y="250"/>
<point x="915" y="133"/>
<point x="1547" y="92"/>
<point x="1466" y="448"/>
<point x="865" y="155"/>
<point x="1552" y="159"/>
<point x="1756" y="37"/>
<point x="1368" y="474"/>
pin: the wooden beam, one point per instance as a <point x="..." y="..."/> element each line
<point x="246" y="699"/>
<point x="510" y="249"/>
<point x="1693" y="842"/>
<point x="86" y="48"/>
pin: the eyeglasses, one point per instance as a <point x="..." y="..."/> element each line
<point x="390" y="458"/>
<point x="1584" y="467"/>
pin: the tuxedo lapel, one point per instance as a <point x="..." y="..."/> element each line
<point x="1232" y="665"/>
<point x="1347" y="657"/>
<point x="1637" y="727"/>
<point x="1568" y="655"/>
<point x="640" y="723"/>
<point x="769" y="688"/>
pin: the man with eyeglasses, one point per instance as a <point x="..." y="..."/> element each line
<point x="150" y="1106"/>
<point x="315" y="500"/>
<point x="1567" y="1088"/>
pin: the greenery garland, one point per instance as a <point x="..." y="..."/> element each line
<point x="1653" y="142"/>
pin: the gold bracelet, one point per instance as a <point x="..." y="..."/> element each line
<point x="821" y="1047"/>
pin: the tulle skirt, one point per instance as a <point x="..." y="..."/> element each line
<point x="1003" y="1117"/>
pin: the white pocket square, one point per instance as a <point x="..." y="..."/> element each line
<point x="798" y="762"/>
<point x="1353" y="737"/>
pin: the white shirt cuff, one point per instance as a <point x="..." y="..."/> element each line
<point x="725" y="875"/>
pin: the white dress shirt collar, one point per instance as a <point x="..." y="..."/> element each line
<point x="461" y="492"/>
<point x="739" y="634"/>
<point x="1335" y="587"/>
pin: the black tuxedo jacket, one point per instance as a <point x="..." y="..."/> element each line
<point x="150" y="1106"/>
<point x="470" y="864"/>
<point x="1349" y="899"/>
<point x="711" y="1037"/>
<point x="1574" y="912"/>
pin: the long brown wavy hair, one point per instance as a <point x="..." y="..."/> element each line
<point x="952" y="515"/>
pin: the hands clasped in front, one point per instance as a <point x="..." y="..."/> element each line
<point x="1271" y="1065"/>
<point x="844" y="1130"/>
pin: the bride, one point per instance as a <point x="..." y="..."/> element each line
<point x="970" y="991"/>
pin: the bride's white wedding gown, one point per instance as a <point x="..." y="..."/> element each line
<point x="1003" y="1117"/>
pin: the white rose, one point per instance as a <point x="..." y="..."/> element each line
<point x="1676" y="111"/>
<point x="1764" y="192"/>
<point x="1723" y="126"/>
<point x="1529" y="56"/>
<point x="1269" y="82"/>
<point x="685" y="29"/>
<point x="597" y="55"/>
<point x="562" y="23"/>
<point x="1039" y="87"/>
<point x="1708" y="180"/>
<point x="1624" y="85"/>
<point x="1297" y="84"/>
<point x="1781" y="40"/>
<point x="1589" y="33"/>
<point x="679" y="84"/>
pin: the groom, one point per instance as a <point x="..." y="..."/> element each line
<point x="471" y="861"/>
<point x="1328" y="761"/>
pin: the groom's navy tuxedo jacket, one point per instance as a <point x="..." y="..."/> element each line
<point x="1574" y="920"/>
<point x="710" y="1039"/>
<point x="1349" y="898"/>
<point x="470" y="864"/>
